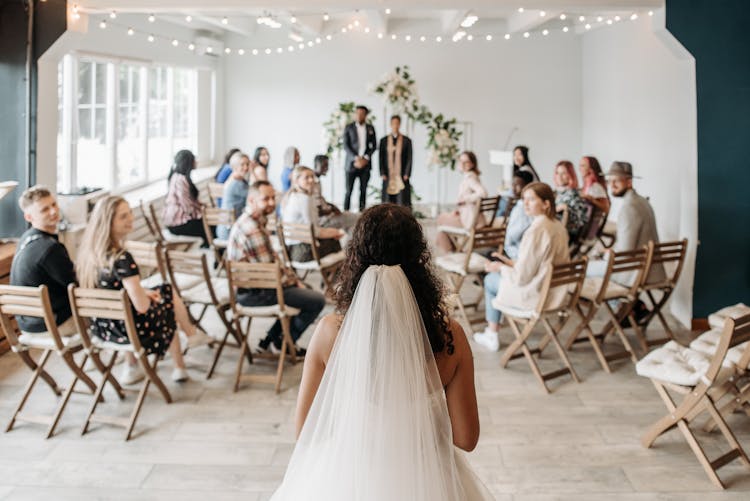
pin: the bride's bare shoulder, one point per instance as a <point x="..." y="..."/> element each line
<point x="325" y="335"/>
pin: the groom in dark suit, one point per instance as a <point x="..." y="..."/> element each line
<point x="360" y="143"/>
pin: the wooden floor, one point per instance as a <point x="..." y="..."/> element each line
<point x="579" y="443"/>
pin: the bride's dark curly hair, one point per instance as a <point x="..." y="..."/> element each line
<point x="388" y="234"/>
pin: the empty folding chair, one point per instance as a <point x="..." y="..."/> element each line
<point x="668" y="255"/>
<point x="243" y="275"/>
<point x="209" y="291"/>
<point x="115" y="305"/>
<point x="716" y="319"/>
<point x="327" y="265"/>
<point x="598" y="293"/>
<point x="34" y="302"/>
<point x="168" y="239"/>
<point x="458" y="266"/>
<point x="558" y="300"/>
<point x="692" y="374"/>
<point x="485" y="208"/>
<point x="213" y="217"/>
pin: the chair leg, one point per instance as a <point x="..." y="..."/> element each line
<point x="29" y="386"/>
<point x="29" y="361"/>
<point x="68" y="357"/>
<point x="217" y="355"/>
<point x="552" y="336"/>
<point x="243" y="350"/>
<point x="106" y="376"/>
<point x="520" y="343"/>
<point x="615" y="324"/>
<point x="154" y="377"/>
<point x="78" y="371"/>
<point x="137" y="408"/>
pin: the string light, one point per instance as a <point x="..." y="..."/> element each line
<point x="113" y="15"/>
<point x="189" y="18"/>
<point x="241" y="52"/>
<point x="151" y="18"/>
<point x="387" y="11"/>
<point x="310" y="43"/>
<point x="545" y="32"/>
<point x="542" y="13"/>
<point x="438" y="39"/>
<point x="599" y="19"/>
<point x="224" y="21"/>
<point x="151" y="39"/>
<point x="588" y="26"/>
<point x="634" y="16"/>
<point x="380" y="36"/>
<point x="175" y="43"/>
<point x="343" y="30"/>
<point x="131" y="32"/>
<point x="651" y="13"/>
<point x="318" y="40"/>
<point x="408" y="38"/>
<point x="210" y="50"/>
<point x="255" y="52"/>
<point x="326" y="17"/>
<point x="582" y="18"/>
<point x="470" y="38"/>
<point x="563" y="17"/>
<point x="293" y="20"/>
<point x="356" y="23"/>
<point x="268" y="51"/>
<point x="301" y="46"/>
<point x="227" y="51"/>
<point x="469" y="20"/>
<point x="349" y="26"/>
<point x="507" y="36"/>
<point x="565" y="29"/>
<point x="279" y="50"/>
<point x="103" y="24"/>
<point x="290" y="48"/>
<point x="422" y="38"/>
<point x="367" y="29"/>
<point x="520" y="9"/>
<point x="394" y="36"/>
<point x="191" y="46"/>
<point x="329" y="37"/>
<point x="488" y="38"/>
<point x="609" y="21"/>
<point x="617" y="19"/>
<point x="526" y="34"/>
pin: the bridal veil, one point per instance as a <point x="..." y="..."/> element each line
<point x="378" y="428"/>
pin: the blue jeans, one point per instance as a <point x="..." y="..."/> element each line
<point x="491" y="286"/>
<point x="309" y="302"/>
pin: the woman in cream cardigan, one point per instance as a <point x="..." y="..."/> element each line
<point x="470" y="191"/>
<point x="519" y="284"/>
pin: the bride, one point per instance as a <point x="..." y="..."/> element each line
<point x="388" y="384"/>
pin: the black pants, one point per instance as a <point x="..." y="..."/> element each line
<point x="193" y="228"/>
<point x="364" y="177"/>
<point x="403" y="197"/>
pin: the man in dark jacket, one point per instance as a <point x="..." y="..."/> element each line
<point x="360" y="142"/>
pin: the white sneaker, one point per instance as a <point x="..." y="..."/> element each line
<point x="180" y="375"/>
<point x="131" y="374"/>
<point x="488" y="339"/>
<point x="200" y="338"/>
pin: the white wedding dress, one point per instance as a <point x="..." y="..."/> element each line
<point x="378" y="428"/>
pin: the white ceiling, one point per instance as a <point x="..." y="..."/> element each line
<point x="306" y="17"/>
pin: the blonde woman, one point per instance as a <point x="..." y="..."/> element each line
<point x="103" y="262"/>
<point x="299" y="207"/>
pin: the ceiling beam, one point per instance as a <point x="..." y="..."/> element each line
<point x="529" y="19"/>
<point x="377" y="21"/>
<point x="310" y="26"/>
<point x="451" y="20"/>
<point x="239" y="24"/>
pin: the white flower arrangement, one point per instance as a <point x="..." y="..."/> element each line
<point x="398" y="89"/>
<point x="443" y="141"/>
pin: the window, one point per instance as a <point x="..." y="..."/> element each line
<point x="123" y="122"/>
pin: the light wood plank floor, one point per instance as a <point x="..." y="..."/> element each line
<point x="579" y="443"/>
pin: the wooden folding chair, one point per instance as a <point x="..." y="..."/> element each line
<point x="328" y="265"/>
<point x="213" y="217"/>
<point x="34" y="302"/>
<point x="698" y="375"/>
<point x="589" y="235"/>
<point x="458" y="266"/>
<point x="168" y="239"/>
<point x="559" y="298"/>
<point x="260" y="276"/>
<point x="486" y="208"/>
<point x="668" y="255"/>
<point x="151" y="263"/>
<point x="210" y="291"/>
<point x="596" y="294"/>
<point x="215" y="192"/>
<point x="115" y="305"/>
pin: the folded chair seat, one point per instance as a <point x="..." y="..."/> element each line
<point x="325" y="262"/>
<point x="592" y="286"/>
<point x="186" y="239"/>
<point x="101" y="344"/>
<point x="716" y="320"/>
<point x="44" y="341"/>
<point x="454" y="263"/>
<point x="456" y="230"/>
<point x="512" y="311"/>
<point x="184" y="281"/>
<point x="267" y="311"/>
<point x="220" y="242"/>
<point x="677" y="364"/>
<point x="708" y="342"/>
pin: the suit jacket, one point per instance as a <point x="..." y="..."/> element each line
<point x="405" y="156"/>
<point x="636" y="225"/>
<point x="351" y="145"/>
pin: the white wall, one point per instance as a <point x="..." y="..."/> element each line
<point x="639" y="105"/>
<point x="535" y="85"/>
<point x="84" y="36"/>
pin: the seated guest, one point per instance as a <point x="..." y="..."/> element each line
<point x="182" y="211"/>
<point x="594" y="189"/>
<point x="249" y="241"/>
<point x="521" y="162"/>
<point x="261" y="157"/>
<point x="291" y="160"/>
<point x="329" y="216"/>
<point x="42" y="260"/>
<point x="235" y="190"/>
<point x="636" y="224"/>
<point x="518" y="283"/>
<point x="518" y="220"/>
<point x="470" y="191"/>
<point x="568" y="198"/>
<point x="226" y="169"/>
<point x="299" y="207"/>
<point x="104" y="263"/>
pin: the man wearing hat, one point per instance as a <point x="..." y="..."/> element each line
<point x="360" y="142"/>
<point x="636" y="224"/>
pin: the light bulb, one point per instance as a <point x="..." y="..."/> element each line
<point x="634" y="17"/>
<point x="255" y="52"/>
<point x="356" y="22"/>
<point x="565" y="29"/>
<point x="191" y="46"/>
<point x="279" y="50"/>
<point x="131" y="31"/>
<point x="617" y="19"/>
<point x="599" y="19"/>
<point x="224" y="20"/>
<point x="582" y="18"/>
<point x="542" y="13"/>
<point x="268" y="51"/>
<point x="189" y="18"/>
<point x="407" y="38"/>
<point x="301" y="46"/>
<point x="651" y="13"/>
<point x="380" y="35"/>
<point x="113" y="15"/>
<point x="175" y="43"/>
<point x="470" y="38"/>
<point x="488" y="38"/>
<point x="609" y="21"/>
<point x="310" y="43"/>
<point x="326" y="17"/>
<point x="387" y="11"/>
<point x="367" y="29"/>
<point x="545" y="32"/>
<point x="103" y="24"/>
<point x="588" y="26"/>
<point x="318" y="40"/>
<point x="422" y="38"/>
<point x="293" y="20"/>
<point x="151" y="18"/>
<point x="438" y="39"/>
<point x="210" y="50"/>
<point x="520" y="9"/>
<point x="227" y="51"/>
<point x="526" y="34"/>
<point x="563" y="17"/>
<point x="151" y="38"/>
<point x="343" y="30"/>
<point x="507" y="36"/>
<point x="329" y="37"/>
<point x="241" y="52"/>
<point x="394" y="36"/>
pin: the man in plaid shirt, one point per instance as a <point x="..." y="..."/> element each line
<point x="249" y="241"/>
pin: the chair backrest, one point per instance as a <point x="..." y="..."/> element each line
<point x="146" y="215"/>
<point x="148" y="256"/>
<point x="633" y="262"/>
<point x="487" y="208"/>
<point x="213" y="216"/>
<point x="562" y="278"/>
<point x="488" y="237"/>
<point x="243" y="275"/>
<point x="215" y="190"/>
<point x="189" y="263"/>
<point x="102" y="304"/>
<point x="155" y="222"/>
<point x="304" y="233"/>
<point x="29" y="302"/>
<point x="740" y="334"/>
<point x="668" y="255"/>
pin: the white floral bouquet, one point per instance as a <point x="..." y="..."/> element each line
<point x="398" y="88"/>
<point x="333" y="128"/>
<point x="443" y="141"/>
